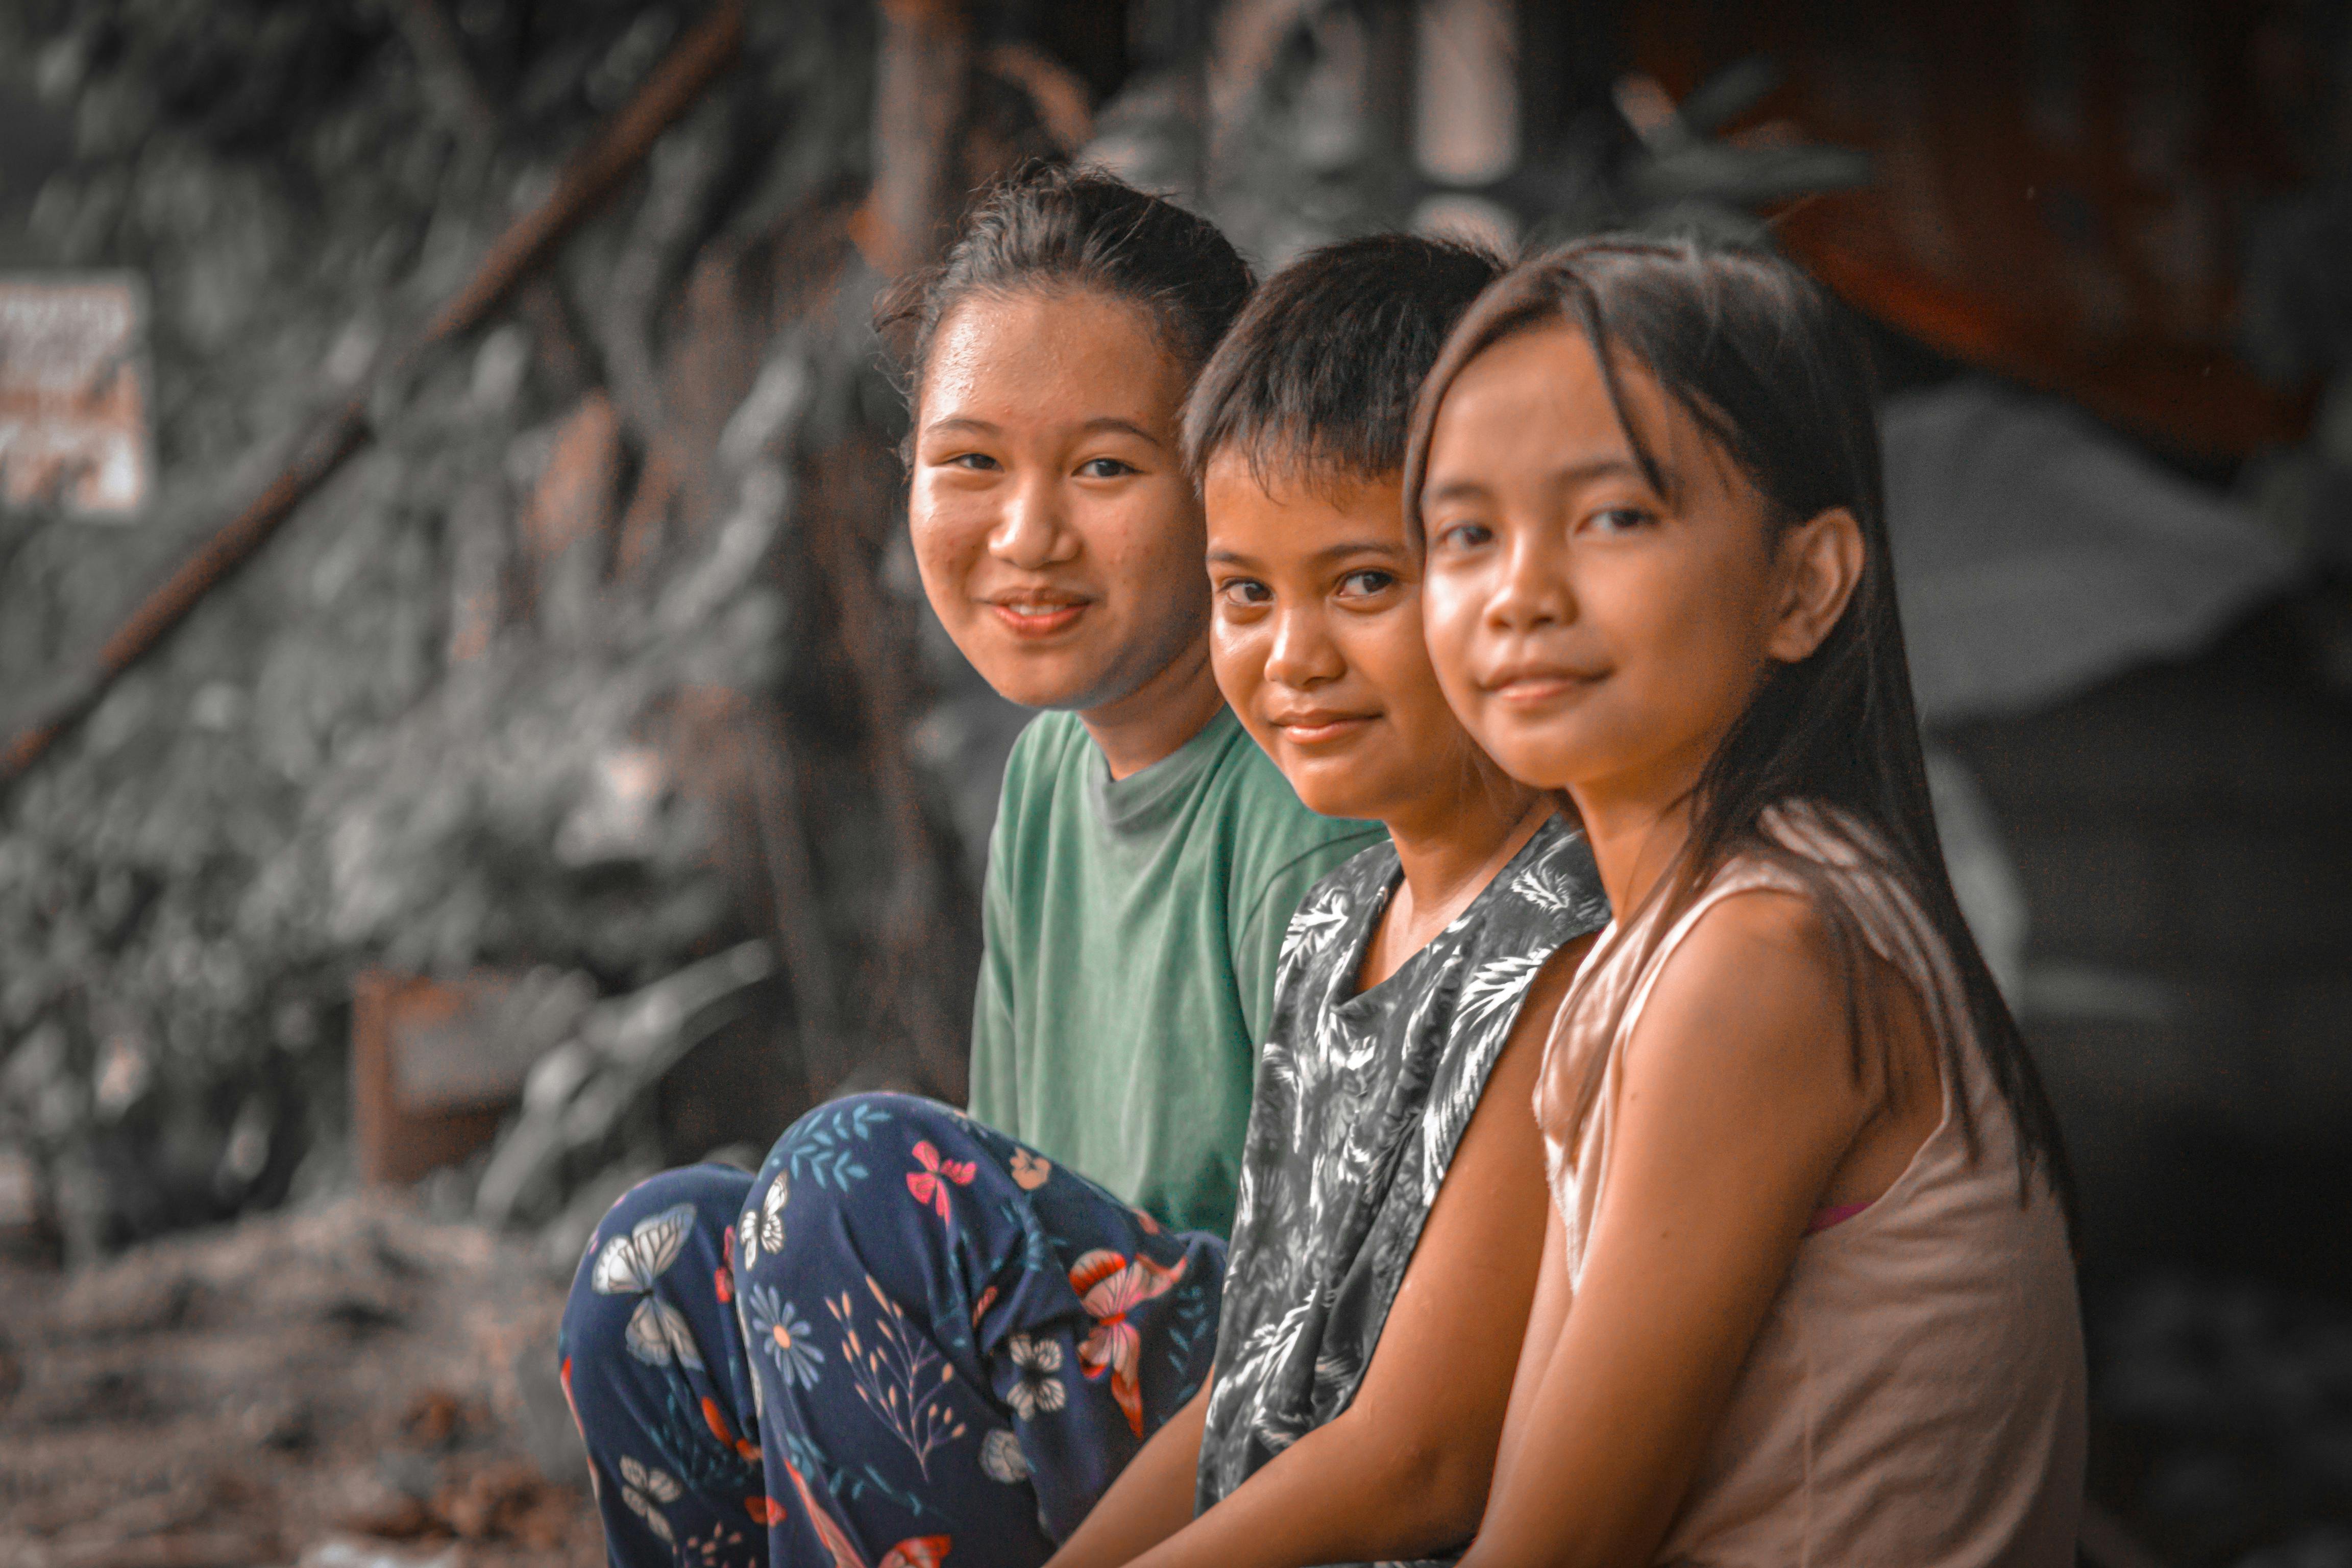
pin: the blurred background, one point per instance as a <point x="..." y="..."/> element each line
<point x="474" y="736"/>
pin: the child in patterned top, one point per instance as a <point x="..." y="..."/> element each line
<point x="1392" y="1199"/>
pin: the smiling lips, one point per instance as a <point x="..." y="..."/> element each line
<point x="1533" y="685"/>
<point x="1315" y="726"/>
<point x="1037" y="613"/>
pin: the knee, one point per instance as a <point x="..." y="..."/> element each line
<point x="647" y="1230"/>
<point x="836" y="1145"/>
<point x="823" y="1181"/>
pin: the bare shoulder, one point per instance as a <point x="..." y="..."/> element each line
<point x="1752" y="1004"/>
<point x="1550" y="988"/>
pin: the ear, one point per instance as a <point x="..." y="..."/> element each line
<point x="1820" y="564"/>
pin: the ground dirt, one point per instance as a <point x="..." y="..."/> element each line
<point x="353" y="1386"/>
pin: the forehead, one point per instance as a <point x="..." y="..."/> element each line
<point x="1060" y="355"/>
<point x="1541" y="389"/>
<point x="1299" y="511"/>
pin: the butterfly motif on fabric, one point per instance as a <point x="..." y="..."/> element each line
<point x="646" y="1490"/>
<point x="764" y="1225"/>
<point x="915" y="1552"/>
<point x="930" y="1184"/>
<point x="1109" y="1287"/>
<point x="629" y="1265"/>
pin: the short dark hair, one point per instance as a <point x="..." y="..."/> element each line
<point x="1053" y="226"/>
<point x="1318" y="374"/>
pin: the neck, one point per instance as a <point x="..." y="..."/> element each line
<point x="1150" y="722"/>
<point x="1449" y="847"/>
<point x="1638" y="826"/>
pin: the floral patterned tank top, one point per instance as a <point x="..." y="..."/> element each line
<point x="1361" y="1097"/>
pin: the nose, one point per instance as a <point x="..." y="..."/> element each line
<point x="1303" y="655"/>
<point x="1533" y="591"/>
<point x="1033" y="530"/>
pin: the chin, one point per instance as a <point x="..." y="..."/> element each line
<point x="1536" y="766"/>
<point x="1030" y="681"/>
<point x="1340" y="793"/>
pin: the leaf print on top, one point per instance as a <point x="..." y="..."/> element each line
<point x="930" y="1183"/>
<point x="1109" y="1287"/>
<point x="1362" y="1100"/>
<point x="1312" y="930"/>
<point x="1038" y="1387"/>
<point x="657" y="1333"/>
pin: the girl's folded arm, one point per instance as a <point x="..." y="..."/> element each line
<point x="1736" y="1101"/>
<point x="1404" y="1469"/>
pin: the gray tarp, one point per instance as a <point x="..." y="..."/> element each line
<point x="2037" y="553"/>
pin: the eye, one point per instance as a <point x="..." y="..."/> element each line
<point x="1366" y="583"/>
<point x="977" y="462"/>
<point x="1619" y="519"/>
<point x="1244" y="592"/>
<point x="1106" y="468"/>
<point x="1464" y="536"/>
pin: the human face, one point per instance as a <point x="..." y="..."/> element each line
<point x="1316" y="638"/>
<point x="1593" y="633"/>
<point x="1057" y="536"/>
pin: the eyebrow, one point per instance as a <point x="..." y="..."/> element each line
<point x="1108" y="424"/>
<point x="1573" y="474"/>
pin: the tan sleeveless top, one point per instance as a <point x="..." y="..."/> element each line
<point x="1916" y="1394"/>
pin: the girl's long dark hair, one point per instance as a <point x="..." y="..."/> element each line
<point x="1772" y="371"/>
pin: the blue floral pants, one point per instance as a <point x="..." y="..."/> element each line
<point x="908" y="1339"/>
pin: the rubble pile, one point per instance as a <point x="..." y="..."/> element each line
<point x="351" y="1385"/>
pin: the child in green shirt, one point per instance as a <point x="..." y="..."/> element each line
<point x="1147" y="855"/>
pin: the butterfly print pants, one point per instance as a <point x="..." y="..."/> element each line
<point x="908" y="1341"/>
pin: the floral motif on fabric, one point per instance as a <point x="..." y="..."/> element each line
<point x="776" y="1326"/>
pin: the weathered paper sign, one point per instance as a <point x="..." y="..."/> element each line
<point x="73" y="394"/>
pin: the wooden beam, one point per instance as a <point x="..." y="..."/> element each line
<point x="610" y="158"/>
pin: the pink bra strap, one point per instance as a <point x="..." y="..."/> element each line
<point x="1836" y="1213"/>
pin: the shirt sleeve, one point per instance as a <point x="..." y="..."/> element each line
<point x="1258" y="940"/>
<point x="995" y="1076"/>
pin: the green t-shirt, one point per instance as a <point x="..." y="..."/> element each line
<point x="1132" y="926"/>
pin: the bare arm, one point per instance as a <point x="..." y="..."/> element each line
<point x="1736" y="1106"/>
<point x="1545" y="1321"/>
<point x="1152" y="1500"/>
<point x="1405" y="1468"/>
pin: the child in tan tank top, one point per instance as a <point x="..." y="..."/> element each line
<point x="1808" y="1296"/>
